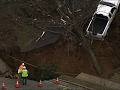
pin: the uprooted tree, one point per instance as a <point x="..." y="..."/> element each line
<point x="72" y="14"/>
<point x="77" y="16"/>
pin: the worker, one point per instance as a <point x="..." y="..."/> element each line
<point x="20" y="72"/>
<point x="24" y="75"/>
<point x="21" y="66"/>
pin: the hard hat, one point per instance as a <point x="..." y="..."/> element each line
<point x="24" y="67"/>
<point x="23" y="64"/>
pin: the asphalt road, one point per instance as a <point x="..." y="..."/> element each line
<point x="33" y="85"/>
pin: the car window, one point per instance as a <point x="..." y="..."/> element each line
<point x="107" y="3"/>
<point x="110" y="15"/>
<point x="101" y="16"/>
<point x="113" y="9"/>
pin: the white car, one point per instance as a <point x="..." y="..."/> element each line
<point x="102" y="19"/>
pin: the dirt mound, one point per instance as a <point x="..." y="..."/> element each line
<point x="71" y="58"/>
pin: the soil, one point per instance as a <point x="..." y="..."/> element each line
<point x="71" y="58"/>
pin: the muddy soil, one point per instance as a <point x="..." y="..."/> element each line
<point x="69" y="56"/>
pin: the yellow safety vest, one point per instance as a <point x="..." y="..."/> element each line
<point x="19" y="71"/>
<point x="24" y="73"/>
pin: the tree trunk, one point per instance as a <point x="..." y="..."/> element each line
<point x="80" y="36"/>
<point x="89" y="50"/>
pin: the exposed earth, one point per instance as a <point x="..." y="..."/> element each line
<point x="68" y="55"/>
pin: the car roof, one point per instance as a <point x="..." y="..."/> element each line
<point x="115" y="2"/>
<point x="103" y="9"/>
